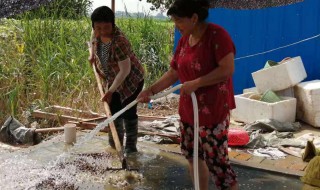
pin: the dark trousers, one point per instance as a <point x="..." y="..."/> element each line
<point x="116" y="104"/>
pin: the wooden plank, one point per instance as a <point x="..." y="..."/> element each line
<point x="63" y="118"/>
<point x="47" y="130"/>
<point x="256" y="159"/>
<point x="301" y="166"/>
<point x="72" y="110"/>
<point x="267" y="166"/>
<point x="268" y="162"/>
<point x="96" y="119"/>
<point x="233" y="154"/>
<point x="53" y="116"/>
<point x="52" y="129"/>
<point x="66" y="118"/>
<point x="243" y="156"/>
<point x="151" y="118"/>
<point x="283" y="163"/>
<point x="85" y="125"/>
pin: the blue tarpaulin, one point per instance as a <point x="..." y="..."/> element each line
<point x="271" y="34"/>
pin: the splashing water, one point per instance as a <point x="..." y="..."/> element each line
<point x="104" y="123"/>
<point x="116" y="115"/>
<point x="47" y="167"/>
<point x="63" y="171"/>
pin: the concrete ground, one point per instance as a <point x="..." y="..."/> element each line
<point x="290" y="165"/>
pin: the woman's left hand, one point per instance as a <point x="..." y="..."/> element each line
<point x="107" y="97"/>
<point x="188" y="87"/>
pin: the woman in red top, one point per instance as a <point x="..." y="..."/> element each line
<point x="204" y="63"/>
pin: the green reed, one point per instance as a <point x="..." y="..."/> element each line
<point x="44" y="61"/>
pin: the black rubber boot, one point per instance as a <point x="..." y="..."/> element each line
<point x="118" y="123"/>
<point x="131" y="127"/>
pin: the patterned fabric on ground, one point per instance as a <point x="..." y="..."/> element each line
<point x="269" y="152"/>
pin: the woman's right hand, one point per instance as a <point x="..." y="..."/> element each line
<point x="144" y="96"/>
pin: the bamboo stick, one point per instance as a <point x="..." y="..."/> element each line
<point x="108" y="112"/>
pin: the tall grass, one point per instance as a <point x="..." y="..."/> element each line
<point x="11" y="67"/>
<point x="152" y="41"/>
<point x="44" y="61"/>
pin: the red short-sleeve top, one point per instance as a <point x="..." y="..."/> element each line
<point x="215" y="101"/>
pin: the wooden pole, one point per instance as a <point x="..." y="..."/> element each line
<point x="113" y="5"/>
<point x="107" y="110"/>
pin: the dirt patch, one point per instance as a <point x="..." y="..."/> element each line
<point x="161" y="107"/>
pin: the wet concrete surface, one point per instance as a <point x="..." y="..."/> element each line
<point x="23" y="169"/>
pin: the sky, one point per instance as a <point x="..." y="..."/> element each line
<point x="133" y="6"/>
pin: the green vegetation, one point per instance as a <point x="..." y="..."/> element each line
<point x="44" y="61"/>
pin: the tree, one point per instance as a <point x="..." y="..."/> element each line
<point x="230" y="4"/>
<point x="160" y="4"/>
<point x="67" y="9"/>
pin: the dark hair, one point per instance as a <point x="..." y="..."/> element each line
<point x="186" y="8"/>
<point x="102" y="14"/>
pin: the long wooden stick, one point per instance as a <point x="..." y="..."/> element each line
<point x="108" y="113"/>
<point x="52" y="129"/>
<point x="47" y="130"/>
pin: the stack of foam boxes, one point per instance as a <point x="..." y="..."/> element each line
<point x="308" y="106"/>
<point x="280" y="79"/>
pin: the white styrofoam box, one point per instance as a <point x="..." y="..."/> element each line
<point x="309" y="116"/>
<point x="249" y="110"/>
<point x="308" y="93"/>
<point x="309" y="87"/>
<point x="280" y="77"/>
<point x="308" y="102"/>
<point x="288" y="92"/>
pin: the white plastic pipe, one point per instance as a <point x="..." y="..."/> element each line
<point x="70" y="133"/>
<point x="195" y="134"/>
<point x="195" y="141"/>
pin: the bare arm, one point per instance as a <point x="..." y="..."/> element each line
<point x="125" y="67"/>
<point x="164" y="82"/>
<point x="221" y="73"/>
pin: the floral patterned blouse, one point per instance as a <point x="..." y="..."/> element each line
<point x="110" y="55"/>
<point x="215" y="101"/>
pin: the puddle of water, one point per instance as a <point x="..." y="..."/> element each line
<point x="169" y="171"/>
<point x="49" y="165"/>
<point x="257" y="179"/>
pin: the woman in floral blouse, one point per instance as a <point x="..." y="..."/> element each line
<point x="204" y="63"/>
<point x="121" y="70"/>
